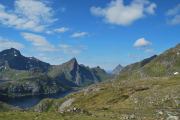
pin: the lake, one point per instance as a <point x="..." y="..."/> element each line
<point x="1" y="81"/>
<point x="30" y="101"/>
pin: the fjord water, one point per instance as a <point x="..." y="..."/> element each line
<point x="29" y="101"/>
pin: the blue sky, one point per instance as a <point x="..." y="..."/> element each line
<point x="97" y="32"/>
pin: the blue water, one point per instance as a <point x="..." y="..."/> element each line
<point x="30" y="101"/>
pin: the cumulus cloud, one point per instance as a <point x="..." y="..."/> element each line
<point x="30" y="15"/>
<point x="42" y="45"/>
<point x="6" y="44"/>
<point x="142" y="42"/>
<point x="120" y="14"/>
<point x="39" y="42"/>
<point x="174" y="15"/>
<point x="79" y="34"/>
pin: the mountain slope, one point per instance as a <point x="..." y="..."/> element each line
<point x="165" y="64"/>
<point x="20" y="76"/>
<point x="147" y="98"/>
<point x="79" y="75"/>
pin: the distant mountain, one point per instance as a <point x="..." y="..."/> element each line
<point x="165" y="64"/>
<point x="13" y="59"/>
<point x="20" y="75"/>
<point x="117" y="70"/>
<point x="79" y="75"/>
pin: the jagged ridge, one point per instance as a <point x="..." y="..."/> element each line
<point x="21" y="75"/>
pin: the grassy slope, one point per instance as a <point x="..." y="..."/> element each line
<point x="45" y="116"/>
<point x="142" y="99"/>
<point x="164" y="65"/>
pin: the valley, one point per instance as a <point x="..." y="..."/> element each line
<point x="133" y="94"/>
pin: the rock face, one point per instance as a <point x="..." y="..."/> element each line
<point x="29" y="76"/>
<point x="117" y="70"/>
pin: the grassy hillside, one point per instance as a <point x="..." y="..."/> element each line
<point x="150" y="99"/>
<point x="165" y="64"/>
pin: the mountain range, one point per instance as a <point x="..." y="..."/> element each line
<point x="21" y="76"/>
<point x="145" y="90"/>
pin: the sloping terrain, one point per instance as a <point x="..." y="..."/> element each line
<point x="146" y="97"/>
<point x="139" y="96"/>
<point x="79" y="75"/>
<point x="21" y="76"/>
<point x="165" y="64"/>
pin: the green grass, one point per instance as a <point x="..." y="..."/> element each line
<point x="111" y="101"/>
<point x="116" y="99"/>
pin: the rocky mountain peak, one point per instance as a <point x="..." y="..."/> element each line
<point x="73" y="60"/>
<point x="72" y="63"/>
<point x="10" y="53"/>
<point x="117" y="69"/>
<point x="19" y="62"/>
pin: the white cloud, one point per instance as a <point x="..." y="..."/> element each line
<point x="142" y="42"/>
<point x="39" y="42"/>
<point x="174" y="15"/>
<point x="6" y="44"/>
<point x="42" y="45"/>
<point x="79" y="34"/>
<point x="69" y="49"/>
<point x="30" y="15"/>
<point x="120" y="14"/>
<point x="61" y="30"/>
